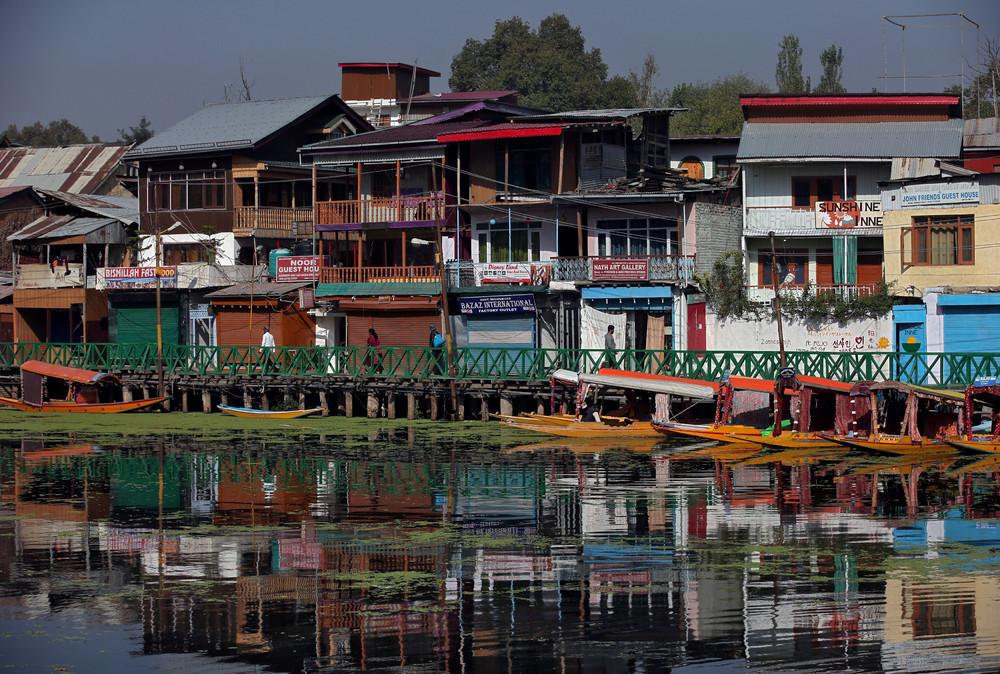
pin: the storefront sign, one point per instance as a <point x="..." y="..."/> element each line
<point x="139" y="278"/>
<point x="848" y="214"/>
<point x="620" y="270"/>
<point x="513" y="272"/>
<point x="497" y="304"/>
<point x="916" y="196"/>
<point x="294" y="269"/>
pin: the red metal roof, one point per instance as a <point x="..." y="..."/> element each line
<point x="504" y="131"/>
<point x="73" y="374"/>
<point x="850" y="99"/>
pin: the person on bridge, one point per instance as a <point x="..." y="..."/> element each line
<point x="267" y="342"/>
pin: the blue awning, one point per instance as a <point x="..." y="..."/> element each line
<point x="654" y="298"/>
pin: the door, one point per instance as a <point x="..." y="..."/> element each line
<point x="911" y="341"/>
<point x="696" y="327"/>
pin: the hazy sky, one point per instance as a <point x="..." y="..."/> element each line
<point x="103" y="64"/>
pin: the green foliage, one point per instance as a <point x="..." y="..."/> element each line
<point x="57" y="133"/>
<point x="550" y="67"/>
<point x="725" y="286"/>
<point x="643" y="85"/>
<point x="137" y="134"/>
<point x="714" y="108"/>
<point x="826" y="304"/>
<point x="832" y="60"/>
<point x="788" y="72"/>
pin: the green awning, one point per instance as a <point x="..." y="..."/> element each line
<point x="425" y="288"/>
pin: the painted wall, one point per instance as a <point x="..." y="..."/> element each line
<point x="869" y="334"/>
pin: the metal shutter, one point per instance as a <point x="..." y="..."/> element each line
<point x="136" y="324"/>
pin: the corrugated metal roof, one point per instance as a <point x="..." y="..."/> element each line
<point x="877" y="140"/>
<point x="78" y="169"/>
<point x="396" y="135"/>
<point x="456" y="96"/>
<point x="62" y="227"/>
<point x="605" y="114"/>
<point x="982" y="133"/>
<point x="124" y="209"/>
<point x="376" y="289"/>
<point x="259" y="289"/>
<point x="228" y="125"/>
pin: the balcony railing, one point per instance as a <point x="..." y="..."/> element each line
<point x="623" y="268"/>
<point x="424" y="273"/>
<point x="274" y="221"/>
<point x="765" y="294"/>
<point x="382" y="209"/>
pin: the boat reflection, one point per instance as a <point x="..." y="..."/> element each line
<point x="558" y="555"/>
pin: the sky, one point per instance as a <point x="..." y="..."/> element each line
<point x="104" y="64"/>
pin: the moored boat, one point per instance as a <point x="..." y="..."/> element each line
<point x="248" y="413"/>
<point x="87" y="391"/>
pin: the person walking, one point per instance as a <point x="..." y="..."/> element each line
<point x="436" y="342"/>
<point x="373" y="361"/>
<point x="267" y="343"/>
<point x="609" y="347"/>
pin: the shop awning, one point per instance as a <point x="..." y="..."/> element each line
<point x="401" y="288"/>
<point x="652" y="298"/>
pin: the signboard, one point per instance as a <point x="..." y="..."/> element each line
<point x="964" y="192"/>
<point x="295" y="268"/>
<point x="511" y="272"/>
<point x="497" y="304"/>
<point x="307" y="298"/>
<point x="620" y="270"/>
<point x="139" y="278"/>
<point x="848" y="214"/>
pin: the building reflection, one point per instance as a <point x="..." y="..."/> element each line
<point x="556" y="558"/>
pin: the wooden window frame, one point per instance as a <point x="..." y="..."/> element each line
<point x="813" y="184"/>
<point x="727" y="162"/>
<point x="913" y="256"/>
<point x="765" y="281"/>
<point x="174" y="190"/>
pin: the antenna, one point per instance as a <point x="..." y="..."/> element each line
<point x="413" y="82"/>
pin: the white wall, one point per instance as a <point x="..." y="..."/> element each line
<point x="225" y="246"/>
<point x="867" y="334"/>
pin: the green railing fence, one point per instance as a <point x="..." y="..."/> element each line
<point x="931" y="369"/>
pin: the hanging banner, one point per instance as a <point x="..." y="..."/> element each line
<point x="138" y="278"/>
<point x="848" y="214"/>
<point x="293" y="269"/>
<point x="497" y="304"/>
<point x="620" y="270"/>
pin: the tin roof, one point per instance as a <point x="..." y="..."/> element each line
<point x="396" y="135"/>
<point x="63" y="227"/>
<point x="76" y="169"/>
<point x="258" y="289"/>
<point x="241" y="124"/>
<point x="123" y="209"/>
<point x="982" y="133"/>
<point x="459" y="96"/>
<point x="874" y="140"/>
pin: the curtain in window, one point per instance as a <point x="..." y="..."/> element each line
<point x="944" y="243"/>
<point x="655" y="332"/>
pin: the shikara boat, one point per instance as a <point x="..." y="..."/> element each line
<point x="87" y="391"/>
<point x="742" y="410"/>
<point x="927" y="420"/>
<point x="982" y="398"/>
<point x="248" y="413"/>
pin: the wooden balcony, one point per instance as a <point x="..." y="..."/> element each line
<point x="380" y="210"/>
<point x="424" y="273"/>
<point x="273" y="221"/>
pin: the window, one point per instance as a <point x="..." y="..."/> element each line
<point x="530" y="168"/>
<point x="806" y="191"/>
<point x="791" y="269"/>
<point x="193" y="190"/>
<point x="725" y="165"/>
<point x="637" y="236"/>
<point x="518" y="242"/>
<point x="938" y="240"/>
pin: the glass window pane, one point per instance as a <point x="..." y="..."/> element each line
<point x="519" y="246"/>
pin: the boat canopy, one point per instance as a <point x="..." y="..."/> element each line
<point x="67" y="373"/>
<point x="671" y="386"/>
<point x="920" y="391"/>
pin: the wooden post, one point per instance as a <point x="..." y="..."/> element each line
<point x="372" y="406"/>
<point x="461" y="409"/>
<point x="484" y="408"/>
<point x="247" y="402"/>
<point x="411" y="406"/>
<point x="348" y="404"/>
<point x="324" y="404"/>
<point x="126" y="394"/>
<point x="777" y="298"/>
<point x="206" y="402"/>
<point x="264" y="404"/>
<point x="540" y="407"/>
<point x="302" y="400"/>
<point x="390" y="406"/>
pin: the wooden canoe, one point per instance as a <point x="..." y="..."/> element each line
<point x="74" y="407"/>
<point x="248" y="413"/>
<point x="726" y="433"/>
<point x="588" y="429"/>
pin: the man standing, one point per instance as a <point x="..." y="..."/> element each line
<point x="609" y="347"/>
<point x="267" y="342"/>
<point x="436" y="342"/>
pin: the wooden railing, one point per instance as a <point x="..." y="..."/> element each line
<point x="277" y="221"/>
<point x="382" y="209"/>
<point x="378" y="274"/>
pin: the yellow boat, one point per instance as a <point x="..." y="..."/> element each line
<point x="248" y="413"/>
<point x="589" y="429"/>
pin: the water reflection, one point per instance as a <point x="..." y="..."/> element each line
<point x="401" y="549"/>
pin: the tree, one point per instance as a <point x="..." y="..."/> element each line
<point x="980" y="97"/>
<point x="713" y="108"/>
<point x="788" y="72"/>
<point x="241" y="91"/>
<point x="57" y="133"/>
<point x="832" y="60"/>
<point x="550" y="67"/>
<point x="137" y="134"/>
<point x="646" y="94"/>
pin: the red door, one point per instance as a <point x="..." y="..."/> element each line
<point x="696" y="327"/>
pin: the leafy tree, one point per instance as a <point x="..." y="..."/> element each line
<point x="788" y="72"/>
<point x="714" y="108"/>
<point x="550" y="67"/>
<point x="57" y="133"/>
<point x="832" y="60"/>
<point x="646" y="94"/>
<point x="137" y="134"/>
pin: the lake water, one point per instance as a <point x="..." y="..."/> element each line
<point x="433" y="548"/>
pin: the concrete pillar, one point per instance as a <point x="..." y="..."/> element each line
<point x="224" y="397"/>
<point x="541" y="409"/>
<point x="302" y="400"/>
<point x="460" y="412"/>
<point x="324" y="404"/>
<point x="184" y="402"/>
<point x="264" y="403"/>
<point x="506" y="406"/>
<point x="348" y="404"/>
<point x="372" y="406"/>
<point x="484" y="408"/>
<point x="126" y="394"/>
<point x="411" y="406"/>
<point x="206" y="402"/>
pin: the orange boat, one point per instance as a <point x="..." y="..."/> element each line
<point x="84" y="391"/>
<point x="742" y="410"/>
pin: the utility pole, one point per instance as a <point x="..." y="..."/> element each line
<point x="777" y="298"/>
<point x="445" y="313"/>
